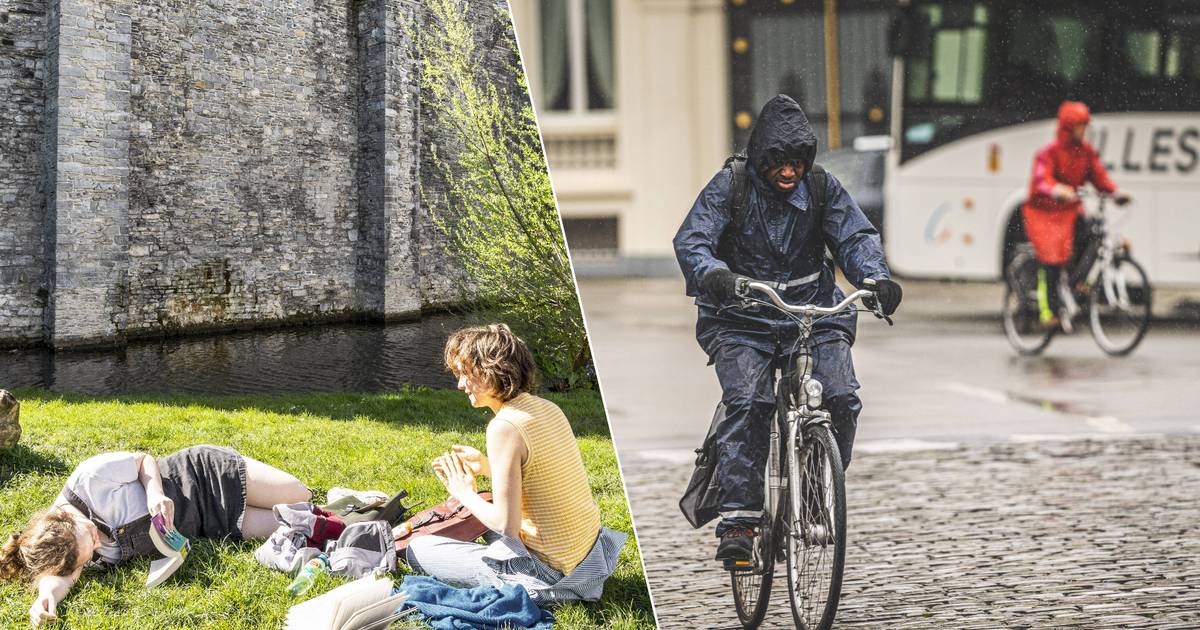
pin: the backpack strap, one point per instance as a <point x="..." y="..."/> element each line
<point x="818" y="191"/>
<point x="740" y="188"/>
<point x="818" y="188"/>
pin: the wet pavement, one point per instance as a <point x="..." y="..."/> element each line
<point x="988" y="490"/>
<point x="1083" y="534"/>
<point x="943" y="373"/>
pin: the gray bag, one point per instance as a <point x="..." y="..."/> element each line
<point x="363" y="548"/>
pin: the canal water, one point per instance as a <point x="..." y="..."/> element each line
<point x="328" y="358"/>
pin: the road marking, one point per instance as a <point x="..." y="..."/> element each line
<point x="903" y="445"/>
<point x="672" y="456"/>
<point x="973" y="391"/>
<point x="1108" y="424"/>
<point x="1103" y="424"/>
<point x="1075" y="437"/>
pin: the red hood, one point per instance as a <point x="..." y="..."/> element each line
<point x="1071" y="114"/>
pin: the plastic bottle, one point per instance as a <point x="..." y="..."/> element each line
<point x="308" y="575"/>
<point x="402" y="530"/>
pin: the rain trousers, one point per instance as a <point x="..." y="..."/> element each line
<point x="1050" y="223"/>
<point x="782" y="239"/>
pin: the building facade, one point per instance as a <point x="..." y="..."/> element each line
<point x="641" y="101"/>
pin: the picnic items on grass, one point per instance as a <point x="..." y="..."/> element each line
<point x="360" y="534"/>
<point x="360" y="548"/>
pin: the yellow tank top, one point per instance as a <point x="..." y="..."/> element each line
<point x="560" y="519"/>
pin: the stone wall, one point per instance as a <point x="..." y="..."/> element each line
<point x="172" y="165"/>
<point x="243" y="195"/>
<point x="91" y="172"/>
<point x="23" y="49"/>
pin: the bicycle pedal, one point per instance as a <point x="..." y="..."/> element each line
<point x="739" y="565"/>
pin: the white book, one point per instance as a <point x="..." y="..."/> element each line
<point x="172" y="545"/>
<point x="364" y="604"/>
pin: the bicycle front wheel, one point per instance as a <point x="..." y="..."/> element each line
<point x="816" y="530"/>
<point x="1022" y="325"/>
<point x="1119" y="306"/>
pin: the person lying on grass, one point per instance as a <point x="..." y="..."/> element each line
<point x="543" y="519"/>
<point x="103" y="513"/>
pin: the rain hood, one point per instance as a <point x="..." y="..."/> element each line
<point x="781" y="133"/>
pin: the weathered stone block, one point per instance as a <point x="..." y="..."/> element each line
<point x="10" y="420"/>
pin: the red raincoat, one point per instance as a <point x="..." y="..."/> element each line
<point x="1049" y="223"/>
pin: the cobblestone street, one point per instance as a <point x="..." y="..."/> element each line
<point x="1086" y="533"/>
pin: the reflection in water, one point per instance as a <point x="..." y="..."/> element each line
<point x="343" y="357"/>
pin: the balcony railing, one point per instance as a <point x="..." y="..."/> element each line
<point x="581" y="151"/>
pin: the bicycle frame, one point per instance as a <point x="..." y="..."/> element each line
<point x="793" y="415"/>
<point x="795" y="410"/>
<point x="1107" y="248"/>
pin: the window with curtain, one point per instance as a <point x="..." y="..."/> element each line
<point x="556" y="66"/>
<point x="578" y="72"/>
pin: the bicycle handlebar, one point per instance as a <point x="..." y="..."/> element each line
<point x="1094" y="193"/>
<point x="746" y="284"/>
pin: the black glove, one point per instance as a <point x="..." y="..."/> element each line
<point x="889" y="294"/>
<point x="720" y="283"/>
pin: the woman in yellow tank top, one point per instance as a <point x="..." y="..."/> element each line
<point x="545" y="525"/>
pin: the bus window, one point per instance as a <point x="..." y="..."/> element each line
<point x="958" y="65"/>
<point x="1158" y="66"/>
<point x="1142" y="52"/>
<point x="1050" y="51"/>
<point x="1191" y="56"/>
<point x="947" y="66"/>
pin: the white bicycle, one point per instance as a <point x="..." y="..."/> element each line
<point x="1104" y="282"/>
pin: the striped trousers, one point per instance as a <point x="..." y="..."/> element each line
<point x="501" y="561"/>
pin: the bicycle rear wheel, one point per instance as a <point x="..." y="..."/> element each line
<point x="752" y="588"/>
<point x="815" y="534"/>
<point x="1022" y="326"/>
<point x="1119" y="306"/>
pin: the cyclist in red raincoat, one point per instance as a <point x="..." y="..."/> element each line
<point x="1053" y="206"/>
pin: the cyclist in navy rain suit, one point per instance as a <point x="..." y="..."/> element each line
<point x="779" y="238"/>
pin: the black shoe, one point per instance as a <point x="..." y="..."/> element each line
<point x="736" y="549"/>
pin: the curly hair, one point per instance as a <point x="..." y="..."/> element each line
<point x="496" y="356"/>
<point x="47" y="546"/>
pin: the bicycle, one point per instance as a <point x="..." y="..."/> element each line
<point x="1104" y="282"/>
<point x="804" y="512"/>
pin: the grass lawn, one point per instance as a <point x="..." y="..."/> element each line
<point x="372" y="441"/>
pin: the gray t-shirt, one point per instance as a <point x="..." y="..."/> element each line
<point x="108" y="484"/>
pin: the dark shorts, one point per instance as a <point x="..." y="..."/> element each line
<point x="208" y="486"/>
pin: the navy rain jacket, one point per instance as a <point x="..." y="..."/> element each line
<point x="780" y="239"/>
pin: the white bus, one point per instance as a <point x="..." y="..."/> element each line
<point x="976" y="86"/>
